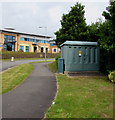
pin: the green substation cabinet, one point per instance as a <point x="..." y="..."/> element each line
<point x="80" y="56"/>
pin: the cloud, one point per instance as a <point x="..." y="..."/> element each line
<point x="0" y="15"/>
<point x="55" y="13"/>
<point x="93" y="11"/>
<point x="55" y="1"/>
<point x="28" y="16"/>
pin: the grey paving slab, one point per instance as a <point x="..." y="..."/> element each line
<point x="33" y="97"/>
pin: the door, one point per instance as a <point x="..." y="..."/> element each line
<point x="42" y="49"/>
<point x="35" y="48"/>
<point x="10" y="46"/>
<point x="46" y="50"/>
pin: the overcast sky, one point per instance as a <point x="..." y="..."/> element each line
<point x="28" y="16"/>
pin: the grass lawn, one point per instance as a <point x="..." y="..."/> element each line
<point x="82" y="97"/>
<point x="15" y="76"/>
<point x="52" y="67"/>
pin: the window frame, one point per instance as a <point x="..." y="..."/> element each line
<point x="26" y="49"/>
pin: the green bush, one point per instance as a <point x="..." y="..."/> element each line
<point x="9" y="54"/>
<point x="112" y="76"/>
<point x="57" y="60"/>
<point x="52" y="66"/>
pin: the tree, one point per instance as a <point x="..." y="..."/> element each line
<point x="107" y="38"/>
<point x="108" y="28"/>
<point x="73" y="25"/>
<point x="93" y="31"/>
<point x="110" y="14"/>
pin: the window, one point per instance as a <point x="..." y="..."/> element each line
<point x="5" y="36"/>
<point x="9" y="38"/>
<point x="53" y="44"/>
<point x="13" y="47"/>
<point x="33" y="40"/>
<point x="30" y="39"/>
<point x="13" y="37"/>
<point x="21" y="48"/>
<point x="22" y="38"/>
<point x="42" y="41"/>
<point x="27" y="48"/>
<point x="37" y="40"/>
<point x="26" y="39"/>
<point x="5" y="47"/>
<point x="46" y="41"/>
<point x="9" y="42"/>
<point x="54" y="50"/>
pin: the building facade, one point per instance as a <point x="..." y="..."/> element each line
<point x="25" y="42"/>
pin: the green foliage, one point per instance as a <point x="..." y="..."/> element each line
<point x="110" y="14"/>
<point x="107" y="38"/>
<point x="17" y="55"/>
<point x="104" y="34"/>
<point x="56" y="59"/>
<point x="53" y="67"/>
<point x="93" y="31"/>
<point x="111" y="76"/>
<point x="107" y="29"/>
<point x="73" y="25"/>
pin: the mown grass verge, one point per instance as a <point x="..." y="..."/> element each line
<point x="15" y="76"/>
<point x="53" y="67"/>
<point x="82" y="97"/>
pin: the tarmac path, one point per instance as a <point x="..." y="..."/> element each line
<point x="8" y="64"/>
<point x="33" y="97"/>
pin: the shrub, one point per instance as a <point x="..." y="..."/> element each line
<point x="57" y="60"/>
<point x="111" y="76"/>
<point x="9" y="54"/>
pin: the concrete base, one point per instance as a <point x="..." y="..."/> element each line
<point x="84" y="73"/>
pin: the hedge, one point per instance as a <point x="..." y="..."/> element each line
<point x="8" y="55"/>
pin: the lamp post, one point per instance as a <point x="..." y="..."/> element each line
<point x="44" y="37"/>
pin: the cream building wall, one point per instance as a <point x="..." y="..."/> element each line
<point x="31" y="45"/>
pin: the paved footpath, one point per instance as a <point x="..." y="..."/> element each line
<point x="8" y="64"/>
<point x="33" y="97"/>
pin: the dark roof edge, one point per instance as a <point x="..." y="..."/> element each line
<point x="1" y="31"/>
